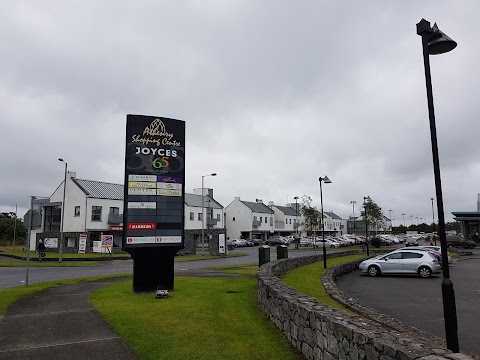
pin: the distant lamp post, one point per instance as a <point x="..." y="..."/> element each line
<point x="365" y="200"/>
<point x="436" y="42"/>
<point x="326" y="180"/>
<point x="391" y="223"/>
<point x="60" y="251"/>
<point x="433" y="219"/>
<point x="404" y="220"/>
<point x="353" y="202"/>
<point x="416" y="217"/>
<point x="15" y="227"/>
<point x="203" y="201"/>
<point x="296" y="215"/>
<point x="411" y="219"/>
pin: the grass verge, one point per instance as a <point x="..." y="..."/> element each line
<point x="204" y="318"/>
<point x="246" y="269"/>
<point x="307" y="279"/>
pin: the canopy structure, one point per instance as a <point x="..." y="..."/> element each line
<point x="469" y="223"/>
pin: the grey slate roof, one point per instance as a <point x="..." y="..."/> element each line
<point x="100" y="190"/>
<point x="196" y="201"/>
<point x="103" y="190"/>
<point x="258" y="207"/>
<point x="287" y="210"/>
<point x="333" y="215"/>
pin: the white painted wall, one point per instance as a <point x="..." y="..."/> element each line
<point x="243" y="218"/>
<point x="196" y="224"/>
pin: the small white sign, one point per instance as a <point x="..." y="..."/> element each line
<point x="221" y="244"/>
<point x="82" y="244"/>
<point x="142" y="184"/>
<point x="142" y="177"/>
<point x="142" y="205"/>
<point x="51" y="243"/>
<point x="136" y="191"/>
<point x="168" y="239"/>
<point x="172" y="186"/>
<point x="169" y="192"/>
<point x="140" y="240"/>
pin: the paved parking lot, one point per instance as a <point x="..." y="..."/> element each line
<point x="418" y="302"/>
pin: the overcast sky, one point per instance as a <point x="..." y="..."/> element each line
<point x="274" y="95"/>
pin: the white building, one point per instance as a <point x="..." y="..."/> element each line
<point x="256" y="220"/>
<point x="249" y="219"/>
<point x="286" y="219"/>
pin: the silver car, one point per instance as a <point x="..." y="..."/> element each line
<point x="402" y="262"/>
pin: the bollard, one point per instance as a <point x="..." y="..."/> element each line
<point x="282" y="252"/>
<point x="263" y="254"/>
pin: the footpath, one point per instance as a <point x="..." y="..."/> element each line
<point x="60" y="323"/>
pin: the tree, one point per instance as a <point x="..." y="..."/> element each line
<point x="7" y="229"/>
<point x="309" y="213"/>
<point x="374" y="213"/>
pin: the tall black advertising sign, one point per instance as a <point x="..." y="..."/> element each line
<point x="153" y="218"/>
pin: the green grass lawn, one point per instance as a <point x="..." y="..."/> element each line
<point x="204" y="318"/>
<point x="246" y="269"/>
<point x="307" y="279"/>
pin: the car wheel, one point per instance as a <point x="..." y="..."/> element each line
<point x="374" y="271"/>
<point x="332" y="246"/>
<point x="450" y="246"/>
<point x="424" y="272"/>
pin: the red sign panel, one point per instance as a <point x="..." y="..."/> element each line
<point x="142" y="226"/>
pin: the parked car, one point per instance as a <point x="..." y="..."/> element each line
<point x="328" y="243"/>
<point x="231" y="244"/>
<point x="411" y="241"/>
<point x="459" y="241"/>
<point x="276" y="241"/>
<point x="306" y="242"/>
<point x="252" y="242"/>
<point x="431" y="247"/>
<point x="423" y="263"/>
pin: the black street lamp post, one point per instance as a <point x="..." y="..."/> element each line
<point x="365" y="199"/>
<point x="326" y="180"/>
<point x="436" y="42"/>
<point x="353" y="202"/>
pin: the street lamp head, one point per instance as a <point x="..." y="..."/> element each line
<point x="325" y="179"/>
<point x="213" y="174"/>
<point x="439" y="43"/>
<point x="60" y="159"/>
<point x="295" y="198"/>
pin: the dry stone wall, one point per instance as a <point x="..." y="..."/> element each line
<point x="324" y="333"/>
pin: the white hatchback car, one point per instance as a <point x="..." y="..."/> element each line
<point x="402" y="262"/>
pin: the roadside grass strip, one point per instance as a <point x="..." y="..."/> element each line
<point x="203" y="318"/>
<point x="245" y="269"/>
<point x="307" y="279"/>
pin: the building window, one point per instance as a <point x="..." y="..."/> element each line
<point x="114" y="210"/>
<point x="52" y="218"/>
<point x="254" y="218"/>
<point x="265" y="219"/>
<point x="96" y="213"/>
<point x="218" y="217"/>
<point x="76" y="212"/>
<point x="192" y="216"/>
<point x="290" y="221"/>
<point x="233" y="218"/>
<point x="200" y="216"/>
<point x="260" y="219"/>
